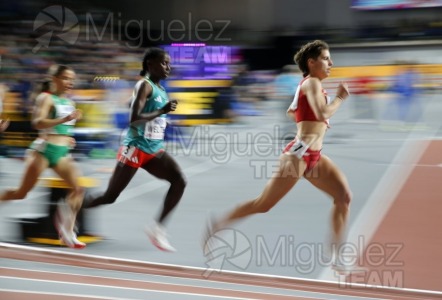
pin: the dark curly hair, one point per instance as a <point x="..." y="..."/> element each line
<point x="309" y="50"/>
<point x="151" y="53"/>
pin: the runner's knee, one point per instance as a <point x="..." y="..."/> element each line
<point x="110" y="197"/>
<point x="78" y="192"/>
<point x="261" y="207"/>
<point x="344" y="199"/>
<point x="178" y="180"/>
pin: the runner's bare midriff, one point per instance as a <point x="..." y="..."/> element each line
<point x="58" y="139"/>
<point x="312" y="133"/>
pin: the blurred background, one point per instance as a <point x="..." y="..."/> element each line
<point x="230" y="59"/>
<point x="234" y="77"/>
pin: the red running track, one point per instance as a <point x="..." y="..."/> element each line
<point x="244" y="285"/>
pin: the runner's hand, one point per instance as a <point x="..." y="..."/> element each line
<point x="343" y="91"/>
<point x="75" y="115"/>
<point x="170" y="106"/>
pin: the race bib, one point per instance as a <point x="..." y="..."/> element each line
<point x="155" y="129"/>
<point x="65" y="110"/>
<point x="39" y="145"/>
<point x="299" y="148"/>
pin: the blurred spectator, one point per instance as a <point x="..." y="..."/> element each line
<point x="3" y="123"/>
<point x="3" y="90"/>
<point x="286" y="82"/>
<point x="363" y="102"/>
<point x="405" y="86"/>
<point x="222" y="106"/>
<point x="244" y="100"/>
<point x="23" y="87"/>
<point x="243" y="78"/>
<point x="284" y="88"/>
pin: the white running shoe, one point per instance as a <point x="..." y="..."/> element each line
<point x="158" y="237"/>
<point x="63" y="220"/>
<point x="77" y="244"/>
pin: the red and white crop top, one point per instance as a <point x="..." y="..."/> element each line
<point x="301" y="107"/>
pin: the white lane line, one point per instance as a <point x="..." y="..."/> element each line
<point x="34" y="292"/>
<point x="198" y="283"/>
<point x="112" y="287"/>
<point x="136" y="264"/>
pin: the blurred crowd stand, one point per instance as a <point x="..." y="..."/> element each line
<point x="363" y="99"/>
<point x="107" y="69"/>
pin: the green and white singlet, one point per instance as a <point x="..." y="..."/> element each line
<point x="62" y="108"/>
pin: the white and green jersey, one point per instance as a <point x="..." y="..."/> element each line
<point x="62" y="108"/>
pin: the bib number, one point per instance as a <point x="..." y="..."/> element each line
<point x="39" y="145"/>
<point x="299" y="148"/>
<point x="155" y="129"/>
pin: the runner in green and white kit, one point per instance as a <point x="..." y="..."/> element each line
<point x="54" y="116"/>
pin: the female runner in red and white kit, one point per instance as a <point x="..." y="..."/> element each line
<point x="302" y="157"/>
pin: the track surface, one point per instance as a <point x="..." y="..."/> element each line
<point x="394" y="174"/>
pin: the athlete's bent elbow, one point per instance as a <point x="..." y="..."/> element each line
<point x="323" y="117"/>
<point x="36" y="124"/>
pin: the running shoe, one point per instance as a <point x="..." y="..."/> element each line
<point x="63" y="219"/>
<point x="77" y="244"/>
<point x="158" y="237"/>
